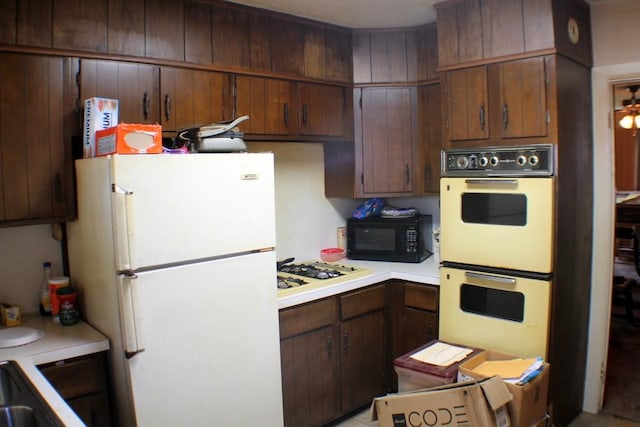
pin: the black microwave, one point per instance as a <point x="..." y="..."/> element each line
<point x="389" y="239"/>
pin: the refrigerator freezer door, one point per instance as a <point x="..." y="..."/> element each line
<point x="169" y="209"/>
<point x="211" y="352"/>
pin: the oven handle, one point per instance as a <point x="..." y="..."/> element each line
<point x="498" y="279"/>
<point x="492" y="181"/>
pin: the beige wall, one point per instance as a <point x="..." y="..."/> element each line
<point x="614" y="25"/>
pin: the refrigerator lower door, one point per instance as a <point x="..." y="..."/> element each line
<point x="211" y="353"/>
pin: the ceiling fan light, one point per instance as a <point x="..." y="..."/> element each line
<point x="637" y="118"/>
<point x="627" y="121"/>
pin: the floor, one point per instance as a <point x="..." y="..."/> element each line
<point x="622" y="266"/>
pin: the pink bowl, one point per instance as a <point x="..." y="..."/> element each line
<point x="331" y="254"/>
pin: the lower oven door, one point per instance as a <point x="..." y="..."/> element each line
<point x="495" y="311"/>
<point x="498" y="222"/>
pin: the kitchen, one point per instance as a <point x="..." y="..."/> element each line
<point x="24" y="248"/>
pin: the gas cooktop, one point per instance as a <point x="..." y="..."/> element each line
<point x="297" y="277"/>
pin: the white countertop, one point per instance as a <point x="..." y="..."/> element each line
<point x="428" y="272"/>
<point x="58" y="343"/>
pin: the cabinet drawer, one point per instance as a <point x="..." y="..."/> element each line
<point x="297" y="320"/>
<point x="424" y="297"/>
<point x="74" y="378"/>
<point x="363" y="301"/>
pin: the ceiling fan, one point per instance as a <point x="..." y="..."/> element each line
<point x="631" y="119"/>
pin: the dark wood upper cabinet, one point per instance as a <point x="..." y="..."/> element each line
<point x="164" y="29"/>
<point x="198" y="38"/>
<point x="80" y="25"/>
<point x="502" y="23"/>
<point x="267" y="102"/>
<point x="230" y="31"/>
<point x="314" y="53"/>
<point x="322" y="110"/>
<point x="427" y="53"/>
<point x="467" y="103"/>
<point x="126" y="30"/>
<point x="337" y="45"/>
<point x="259" y="41"/>
<point x="33" y="23"/>
<point x="287" y="47"/>
<point x="430" y="140"/>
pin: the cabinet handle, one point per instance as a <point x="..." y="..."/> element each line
<point x="505" y="116"/>
<point x="482" y="117"/>
<point x="145" y="105"/>
<point x="305" y="114"/>
<point x="286" y="114"/>
<point x="407" y="174"/>
<point x="346" y="342"/>
<point x="329" y="346"/>
<point x="57" y="188"/>
<point x="167" y="107"/>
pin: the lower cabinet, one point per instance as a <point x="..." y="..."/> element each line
<point x="333" y="354"/>
<point x="82" y="383"/>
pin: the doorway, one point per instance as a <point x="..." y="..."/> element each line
<point x="603" y="81"/>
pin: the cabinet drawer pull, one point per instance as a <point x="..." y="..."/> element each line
<point x="305" y="114"/>
<point x="505" y="116"/>
<point x="407" y="175"/>
<point x="346" y="342"/>
<point x="286" y="114"/>
<point x="146" y="105"/>
<point x="482" y="117"/>
<point x="167" y="107"/>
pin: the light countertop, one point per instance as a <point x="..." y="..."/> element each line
<point x="427" y="272"/>
<point x="58" y="343"/>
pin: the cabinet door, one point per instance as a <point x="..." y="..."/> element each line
<point x="164" y="29"/>
<point x="80" y="25"/>
<point x="267" y="102"/>
<point x="418" y="318"/>
<point x="287" y="47"/>
<point x="125" y="32"/>
<point x="35" y="158"/>
<point x="467" y="104"/>
<point x="430" y="136"/>
<point x="387" y="133"/>
<point x="192" y="97"/>
<point x="322" y="110"/>
<point x="135" y="86"/>
<point x="502" y="28"/>
<point x="523" y="98"/>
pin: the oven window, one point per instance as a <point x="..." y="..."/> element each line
<point x="375" y="239"/>
<point x="495" y="209"/>
<point x="497" y="303"/>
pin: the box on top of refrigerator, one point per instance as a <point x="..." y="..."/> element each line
<point x="129" y="138"/>
<point x="99" y="113"/>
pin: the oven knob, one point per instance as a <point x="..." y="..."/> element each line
<point x="483" y="161"/>
<point x="462" y="162"/>
<point x="534" y="160"/>
<point x="493" y="161"/>
<point x="522" y="160"/>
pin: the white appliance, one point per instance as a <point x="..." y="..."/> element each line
<point x="173" y="255"/>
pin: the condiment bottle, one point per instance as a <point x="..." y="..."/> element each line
<point x="67" y="297"/>
<point x="45" y="299"/>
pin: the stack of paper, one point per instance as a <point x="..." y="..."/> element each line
<point x="515" y="371"/>
<point x="441" y="354"/>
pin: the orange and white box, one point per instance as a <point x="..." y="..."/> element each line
<point x="128" y="138"/>
<point x="99" y="113"/>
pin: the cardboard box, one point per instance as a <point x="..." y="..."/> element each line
<point x="99" y="113"/>
<point x="129" y="139"/>
<point x="10" y="315"/>
<point x="414" y="374"/>
<point x="472" y="404"/>
<point x="529" y="404"/>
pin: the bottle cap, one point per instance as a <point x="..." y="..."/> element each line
<point x="66" y="290"/>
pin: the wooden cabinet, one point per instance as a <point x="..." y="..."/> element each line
<point x="363" y="346"/>
<point x="82" y="383"/>
<point x="385" y="133"/>
<point x="80" y="25"/>
<point x="309" y="349"/>
<point x="192" y="97"/>
<point x="430" y="141"/>
<point x="36" y="109"/>
<point x="322" y="110"/>
<point x="505" y="102"/>
<point x="164" y="29"/>
<point x="268" y="103"/>
<point x="334" y="354"/>
<point x="134" y="85"/>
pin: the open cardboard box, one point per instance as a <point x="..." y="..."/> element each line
<point x="472" y="404"/>
<point x="529" y="404"/>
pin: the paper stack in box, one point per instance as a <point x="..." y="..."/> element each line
<point x="526" y="378"/>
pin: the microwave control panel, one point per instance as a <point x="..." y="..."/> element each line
<point x="522" y="160"/>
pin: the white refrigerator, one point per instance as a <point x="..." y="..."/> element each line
<point x="174" y="259"/>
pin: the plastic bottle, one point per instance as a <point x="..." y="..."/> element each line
<point x="45" y="299"/>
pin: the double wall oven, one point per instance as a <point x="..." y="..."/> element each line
<point x="497" y="238"/>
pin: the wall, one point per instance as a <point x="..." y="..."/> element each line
<point x="306" y="221"/>
<point x="22" y="252"/>
<point x="614" y="24"/>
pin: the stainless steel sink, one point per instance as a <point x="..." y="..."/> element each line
<point x="21" y="405"/>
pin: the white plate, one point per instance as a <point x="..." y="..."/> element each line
<point x="19" y="335"/>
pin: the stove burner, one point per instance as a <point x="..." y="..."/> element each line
<point x="313" y="271"/>
<point x="289" y="282"/>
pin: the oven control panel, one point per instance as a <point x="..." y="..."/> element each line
<point x="522" y="160"/>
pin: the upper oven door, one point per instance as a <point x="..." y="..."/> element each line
<point x="498" y="222"/>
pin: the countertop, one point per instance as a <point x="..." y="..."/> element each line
<point x="427" y="272"/>
<point x="58" y="343"/>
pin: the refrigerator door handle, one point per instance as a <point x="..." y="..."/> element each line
<point x="130" y="319"/>
<point x="124" y="226"/>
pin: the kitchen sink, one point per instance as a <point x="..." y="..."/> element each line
<point x="21" y="405"/>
